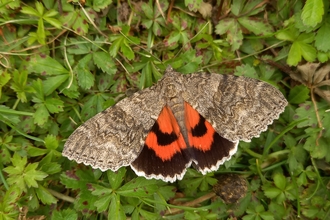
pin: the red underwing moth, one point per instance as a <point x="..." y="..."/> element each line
<point x="194" y="119"/>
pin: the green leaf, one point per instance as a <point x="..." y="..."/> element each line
<point x="54" y="82"/>
<point x="22" y="176"/>
<point x="50" y="167"/>
<point x="45" y="196"/>
<point x="308" y="52"/>
<point x="40" y="8"/>
<point x="104" y="62"/>
<point x="139" y="187"/>
<point x="41" y="115"/>
<point x="31" y="175"/>
<point x="99" y="190"/>
<point x="246" y="70"/>
<point x="298" y="94"/>
<point x="98" y="5"/>
<point x="7" y="114"/>
<point x="56" y="23"/>
<point x="114" y="48"/>
<point x="19" y="163"/>
<point x="193" y="5"/>
<point x="41" y="34"/>
<point x="127" y="51"/>
<point x="321" y="39"/>
<point x="271" y="192"/>
<point x="224" y="25"/>
<point x="19" y="85"/>
<point x="8" y="203"/>
<point x="4" y="79"/>
<point x="103" y="202"/>
<point x="294" y="56"/>
<point x="54" y="105"/>
<point x="30" y="11"/>
<point x="279" y="180"/>
<point x="116" y="210"/>
<point x="85" y="77"/>
<point x="35" y="151"/>
<point x="93" y="106"/>
<point x="51" y="142"/>
<point x="78" y="21"/>
<point x="45" y="65"/>
<point x="66" y="214"/>
<point x="312" y="12"/>
<point x="38" y="96"/>
<point x="257" y="26"/>
<point x="116" y="178"/>
<point x="318" y="148"/>
<point x="50" y="13"/>
<point x="148" y="12"/>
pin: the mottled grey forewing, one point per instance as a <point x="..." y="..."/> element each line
<point x="239" y="108"/>
<point x="114" y="137"/>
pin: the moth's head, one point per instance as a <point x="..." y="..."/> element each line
<point x="171" y="83"/>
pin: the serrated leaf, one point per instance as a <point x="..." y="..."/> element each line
<point x="41" y="115"/>
<point x="45" y="196"/>
<point x="246" y="70"/>
<point x="53" y="21"/>
<point x="7" y="114"/>
<point x="298" y="94"/>
<point x="98" y="5"/>
<point x="35" y="151"/>
<point x="80" y="24"/>
<point x="99" y="190"/>
<point x="272" y="192"/>
<point x="31" y="175"/>
<point x="294" y="56"/>
<point x="102" y="203"/>
<point x="84" y="76"/>
<point x="318" y="148"/>
<point x="41" y="34"/>
<point x="93" y="106"/>
<point x="51" y="142"/>
<point x="116" y="178"/>
<point x="312" y="12"/>
<point x="288" y="34"/>
<point x="45" y="65"/>
<point x="224" y="25"/>
<point x="116" y="210"/>
<point x="54" y="82"/>
<point x="50" y="13"/>
<point x="127" y="51"/>
<point x="38" y="87"/>
<point x="30" y="11"/>
<point x="8" y="203"/>
<point x="193" y="5"/>
<point x="148" y="12"/>
<point x="50" y="167"/>
<point x="40" y="8"/>
<point x="258" y="27"/>
<point x="104" y="62"/>
<point x="308" y="52"/>
<point x="54" y="105"/>
<point x="66" y="214"/>
<point x="321" y="38"/>
<point x="19" y="162"/>
<point x="4" y="79"/>
<point x="279" y="181"/>
<point x="139" y="187"/>
<point x="19" y="85"/>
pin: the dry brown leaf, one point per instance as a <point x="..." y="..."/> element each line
<point x="205" y="10"/>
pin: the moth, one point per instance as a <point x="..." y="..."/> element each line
<point x="195" y="119"/>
